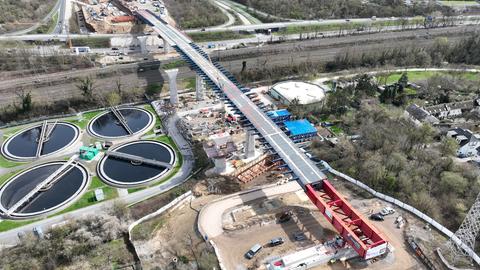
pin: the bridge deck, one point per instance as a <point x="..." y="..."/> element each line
<point x="305" y="169"/>
<point x="139" y="159"/>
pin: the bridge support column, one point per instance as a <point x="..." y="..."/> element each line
<point x="166" y="46"/>
<point x="199" y="88"/>
<point x="172" y="82"/>
<point x="143" y="44"/>
<point x="220" y="165"/>
<point x="250" y="144"/>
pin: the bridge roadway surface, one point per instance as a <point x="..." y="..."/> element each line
<point x="304" y="169"/>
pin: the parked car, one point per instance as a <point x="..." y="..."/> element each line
<point x="299" y="236"/>
<point x="285" y="217"/>
<point x="276" y="242"/>
<point x="253" y="251"/>
<point x="377" y="217"/>
<point x="387" y="211"/>
<point x="38" y="232"/>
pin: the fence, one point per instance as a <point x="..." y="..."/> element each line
<point x="408" y="208"/>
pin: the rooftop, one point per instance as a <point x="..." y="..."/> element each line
<point x="300" y="127"/>
<point x="305" y="92"/>
<point x="279" y="113"/>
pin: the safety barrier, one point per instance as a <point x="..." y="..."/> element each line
<point x="408" y="208"/>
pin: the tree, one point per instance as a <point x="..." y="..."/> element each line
<point x="153" y="89"/>
<point x="448" y="146"/>
<point x="119" y="86"/>
<point x="86" y="86"/>
<point x="113" y="99"/>
<point x="26" y="101"/>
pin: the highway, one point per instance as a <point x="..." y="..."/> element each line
<point x="299" y="163"/>
<point x="266" y="26"/>
<point x="62" y="85"/>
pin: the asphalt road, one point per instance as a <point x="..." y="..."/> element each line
<point x="58" y="86"/>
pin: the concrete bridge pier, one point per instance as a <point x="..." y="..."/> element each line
<point x="250" y="145"/>
<point x="172" y="82"/>
<point x="199" y="88"/>
<point x="166" y="47"/>
<point x="143" y="44"/>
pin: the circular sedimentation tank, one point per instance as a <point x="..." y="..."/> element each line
<point x="56" y="195"/>
<point x="23" y="145"/>
<point x="108" y="125"/>
<point x="125" y="173"/>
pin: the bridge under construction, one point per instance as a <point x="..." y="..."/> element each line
<point x="361" y="236"/>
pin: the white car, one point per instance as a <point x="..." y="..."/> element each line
<point x="387" y="211"/>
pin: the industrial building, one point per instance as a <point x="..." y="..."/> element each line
<point x="279" y="115"/>
<point x="300" y="130"/>
<point x="307" y="94"/>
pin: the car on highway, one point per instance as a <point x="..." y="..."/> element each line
<point x="377" y="217"/>
<point x="253" y="251"/>
<point x="115" y="49"/>
<point x="276" y="241"/>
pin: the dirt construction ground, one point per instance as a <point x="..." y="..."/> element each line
<point x="236" y="240"/>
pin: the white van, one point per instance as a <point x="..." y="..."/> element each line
<point x="253" y="251"/>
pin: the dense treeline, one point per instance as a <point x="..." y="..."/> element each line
<point x="323" y="9"/>
<point x="195" y="13"/>
<point x="408" y="162"/>
<point x="466" y="51"/>
<point x="29" y="11"/>
<point x="95" y="242"/>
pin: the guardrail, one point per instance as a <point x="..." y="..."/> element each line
<point x="408" y="208"/>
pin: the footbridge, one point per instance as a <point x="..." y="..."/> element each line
<point x="121" y="119"/>
<point x="138" y="159"/>
<point x="360" y="235"/>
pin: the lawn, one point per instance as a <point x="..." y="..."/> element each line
<point x="86" y="117"/>
<point x="158" y="122"/>
<point x="6" y="225"/>
<point x="5" y="163"/>
<point x="459" y="3"/>
<point x="216" y="36"/>
<point x="415" y="76"/>
<point x="6" y="177"/>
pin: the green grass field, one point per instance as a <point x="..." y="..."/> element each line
<point x="416" y="76"/>
<point x="459" y="3"/>
<point x="83" y="122"/>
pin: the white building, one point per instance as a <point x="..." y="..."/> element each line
<point x="306" y="93"/>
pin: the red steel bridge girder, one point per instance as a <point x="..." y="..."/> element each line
<point x="365" y="239"/>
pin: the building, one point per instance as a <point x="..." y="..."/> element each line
<point x="279" y="115"/>
<point x="300" y="130"/>
<point x="468" y="141"/>
<point x="307" y="94"/>
<point x="452" y="109"/>
<point x="419" y="115"/>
